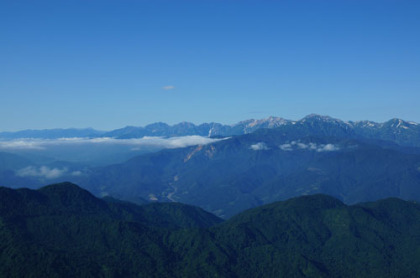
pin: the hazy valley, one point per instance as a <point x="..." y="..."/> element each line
<point x="245" y="165"/>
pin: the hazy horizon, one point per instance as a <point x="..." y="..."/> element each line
<point x="195" y="123"/>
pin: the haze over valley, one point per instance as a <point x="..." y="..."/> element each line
<point x="233" y="168"/>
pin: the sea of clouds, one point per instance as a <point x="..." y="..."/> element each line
<point x="158" y="142"/>
<point x="63" y="148"/>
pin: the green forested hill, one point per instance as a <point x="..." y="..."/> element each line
<point x="318" y="236"/>
<point x="64" y="231"/>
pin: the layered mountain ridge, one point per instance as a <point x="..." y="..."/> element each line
<point x="354" y="162"/>
<point x="394" y="129"/>
<point x="265" y="166"/>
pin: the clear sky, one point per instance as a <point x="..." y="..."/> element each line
<point x="108" y="64"/>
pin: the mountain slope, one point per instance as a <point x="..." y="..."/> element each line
<point x="265" y="166"/>
<point x="355" y="162"/>
<point x="318" y="236"/>
<point x="63" y="231"/>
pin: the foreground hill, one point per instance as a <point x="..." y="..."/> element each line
<point x="63" y="231"/>
<point x="318" y="236"/>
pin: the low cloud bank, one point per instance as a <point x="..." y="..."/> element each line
<point x="169" y="143"/>
<point x="46" y="172"/>
<point x="296" y="145"/>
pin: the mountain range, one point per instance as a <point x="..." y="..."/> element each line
<point x="397" y="130"/>
<point x="268" y="165"/>
<point x="352" y="161"/>
<point x="51" y="133"/>
<point x="402" y="132"/>
<point x="62" y="230"/>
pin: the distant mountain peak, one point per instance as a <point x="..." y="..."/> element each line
<point x="397" y="123"/>
<point x="157" y="125"/>
<point x="366" y="123"/>
<point x="323" y="118"/>
<point x="160" y="129"/>
<point x="269" y="122"/>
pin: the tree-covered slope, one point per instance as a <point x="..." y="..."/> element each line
<point x="318" y="236"/>
<point x="64" y="231"/>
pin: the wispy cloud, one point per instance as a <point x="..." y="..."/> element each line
<point x="166" y="143"/>
<point x="22" y="144"/>
<point x="296" y="145"/>
<point x="328" y="148"/>
<point x="261" y="146"/>
<point x="286" y="147"/>
<point x="171" y="143"/>
<point x="45" y="172"/>
<point x="168" y="87"/>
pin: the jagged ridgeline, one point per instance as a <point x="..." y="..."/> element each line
<point x="396" y="130"/>
<point x="259" y="162"/>
<point x="63" y="231"/>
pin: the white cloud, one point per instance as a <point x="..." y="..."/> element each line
<point x="327" y="148"/>
<point x="168" y="87"/>
<point x="259" y="147"/>
<point x="295" y="145"/>
<point x="76" y="173"/>
<point x="302" y="146"/>
<point x="170" y="143"/>
<point x="286" y="147"/>
<point x="19" y="144"/>
<point x="46" y="172"/>
<point x="185" y="141"/>
<point x="41" y="172"/>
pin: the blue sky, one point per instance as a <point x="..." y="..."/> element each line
<point x="108" y="64"/>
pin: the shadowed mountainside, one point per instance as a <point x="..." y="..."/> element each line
<point x="63" y="231"/>
<point x="266" y="166"/>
